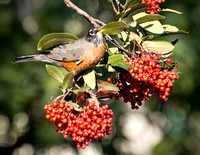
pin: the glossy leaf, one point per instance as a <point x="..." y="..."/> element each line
<point x="89" y="78"/>
<point x="54" y="39"/>
<point x="159" y="47"/>
<point x="152" y="26"/>
<point x="115" y="27"/>
<point x="169" y="29"/>
<point x="55" y="73"/>
<point x="68" y="80"/>
<point x="116" y="60"/>
<point x="135" y="9"/>
<point x="149" y="17"/>
<point x="130" y="3"/>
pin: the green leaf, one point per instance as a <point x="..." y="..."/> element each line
<point x="76" y="106"/>
<point x="82" y="89"/>
<point x="169" y="29"/>
<point x="159" y="47"/>
<point x="124" y="36"/>
<point x="149" y="17"/>
<point x="105" y="88"/>
<point x="135" y="9"/>
<point x="116" y="60"/>
<point x="115" y="27"/>
<point x="177" y="32"/>
<point x="172" y="11"/>
<point x="113" y="50"/>
<point x="89" y="78"/>
<point x="152" y="26"/>
<point x="67" y="82"/>
<point x="55" y="73"/>
<point x="106" y="85"/>
<point x="54" y="39"/>
<point x="130" y="3"/>
<point x="131" y="11"/>
<point x="120" y="64"/>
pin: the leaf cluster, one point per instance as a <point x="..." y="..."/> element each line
<point x="129" y="27"/>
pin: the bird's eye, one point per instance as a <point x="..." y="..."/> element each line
<point x="91" y="32"/>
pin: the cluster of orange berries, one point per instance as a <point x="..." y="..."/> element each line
<point x="154" y="7"/>
<point x="147" y="75"/>
<point x="91" y="124"/>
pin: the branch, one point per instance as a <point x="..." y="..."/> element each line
<point x="81" y="12"/>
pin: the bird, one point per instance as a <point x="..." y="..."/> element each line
<point x="74" y="56"/>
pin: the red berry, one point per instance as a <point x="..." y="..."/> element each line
<point x="109" y="79"/>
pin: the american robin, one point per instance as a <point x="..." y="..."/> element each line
<point x="74" y="56"/>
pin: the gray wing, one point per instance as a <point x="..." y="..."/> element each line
<point x="68" y="52"/>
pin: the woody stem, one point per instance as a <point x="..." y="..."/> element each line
<point x="81" y="12"/>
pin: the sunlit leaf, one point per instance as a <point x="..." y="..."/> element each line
<point x="124" y="36"/>
<point x="159" y="47"/>
<point x="89" y="78"/>
<point x="67" y="82"/>
<point x="135" y="37"/>
<point x="115" y="27"/>
<point x="54" y="39"/>
<point x="110" y="69"/>
<point x="171" y="10"/>
<point x="113" y="49"/>
<point x="149" y="17"/>
<point x="169" y="29"/>
<point x="55" y="73"/>
<point x="152" y="26"/>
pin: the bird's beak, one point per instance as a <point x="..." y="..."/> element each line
<point x="102" y="30"/>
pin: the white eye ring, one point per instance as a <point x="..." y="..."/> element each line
<point x="91" y="32"/>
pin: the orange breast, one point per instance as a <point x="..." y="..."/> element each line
<point x="88" y="60"/>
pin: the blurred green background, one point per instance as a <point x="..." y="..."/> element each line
<point x="171" y="127"/>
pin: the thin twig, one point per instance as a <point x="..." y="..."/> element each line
<point x="81" y="12"/>
<point x="114" y="8"/>
<point x="115" y="43"/>
<point x="99" y="22"/>
<point x="120" y="4"/>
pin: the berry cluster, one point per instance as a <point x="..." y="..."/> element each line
<point x="91" y="124"/>
<point x="148" y="74"/>
<point x="154" y="7"/>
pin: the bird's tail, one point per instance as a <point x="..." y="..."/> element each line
<point x="25" y="58"/>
